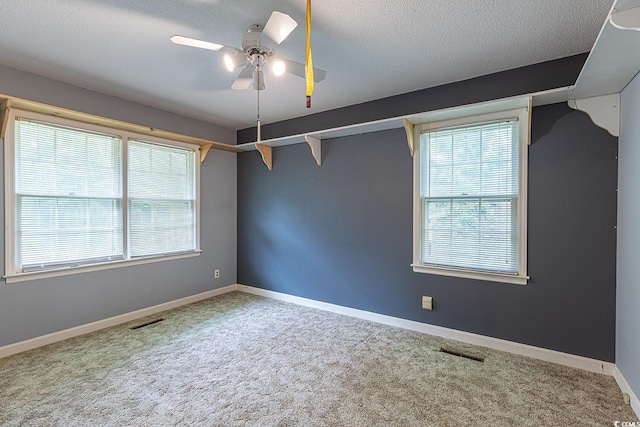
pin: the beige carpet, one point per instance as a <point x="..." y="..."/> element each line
<point x="242" y="360"/>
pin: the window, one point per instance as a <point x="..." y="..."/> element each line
<point x="470" y="197"/>
<point x="82" y="197"/>
<point x="161" y="199"/>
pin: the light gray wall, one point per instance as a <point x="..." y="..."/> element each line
<point x="628" y="281"/>
<point x="38" y="307"/>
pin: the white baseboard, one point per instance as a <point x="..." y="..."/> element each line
<point x="566" y="359"/>
<point x="626" y="388"/>
<point x="587" y="364"/>
<point x="111" y="321"/>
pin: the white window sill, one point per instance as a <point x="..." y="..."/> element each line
<point x="471" y="274"/>
<point x="86" y="268"/>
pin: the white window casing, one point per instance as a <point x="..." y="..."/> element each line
<point x="470" y="221"/>
<point x="67" y="197"/>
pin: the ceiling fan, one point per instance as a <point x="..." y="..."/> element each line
<point x="255" y="54"/>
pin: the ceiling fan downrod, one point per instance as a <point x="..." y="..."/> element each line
<point x="257" y="75"/>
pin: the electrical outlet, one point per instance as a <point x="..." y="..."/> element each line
<point x="427" y="303"/>
<point x="216" y="274"/>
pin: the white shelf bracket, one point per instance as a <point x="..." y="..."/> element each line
<point x="316" y="147"/>
<point x="604" y="111"/>
<point x="627" y="19"/>
<point x="408" y="127"/>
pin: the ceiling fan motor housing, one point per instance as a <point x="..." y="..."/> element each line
<point x="252" y="35"/>
<point x="252" y="48"/>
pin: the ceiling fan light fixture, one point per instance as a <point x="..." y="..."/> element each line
<point x="279" y="67"/>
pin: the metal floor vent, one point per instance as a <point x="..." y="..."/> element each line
<point x="460" y="354"/>
<point x="146" y="324"/>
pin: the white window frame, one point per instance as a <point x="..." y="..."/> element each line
<point x="12" y="270"/>
<point x="523" y="116"/>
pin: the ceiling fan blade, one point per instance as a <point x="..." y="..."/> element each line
<point x="278" y="27"/>
<point x="244" y="79"/>
<point x="297" y="69"/>
<point x="188" y="41"/>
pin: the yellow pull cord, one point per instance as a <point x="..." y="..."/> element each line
<point x="309" y="59"/>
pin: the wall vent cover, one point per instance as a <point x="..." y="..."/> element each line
<point x="460" y="354"/>
<point x="146" y="324"/>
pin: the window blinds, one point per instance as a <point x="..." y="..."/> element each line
<point x="469" y="197"/>
<point x="68" y="195"/>
<point x="162" y="199"/>
<point x="76" y="203"/>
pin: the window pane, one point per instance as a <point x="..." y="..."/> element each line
<point x="61" y="230"/>
<point x="162" y="217"/>
<point x="57" y="161"/>
<point x="160" y="172"/>
<point x="158" y="227"/>
<point x="477" y="234"/>
<point x="68" y="196"/>
<point x="469" y="189"/>
<point x="478" y="160"/>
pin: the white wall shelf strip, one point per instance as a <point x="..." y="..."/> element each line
<point x="627" y="19"/>
<point x="613" y="62"/>
<point x="8" y="102"/>
<point x="551" y="96"/>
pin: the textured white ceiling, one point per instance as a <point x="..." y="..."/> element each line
<point x="370" y="48"/>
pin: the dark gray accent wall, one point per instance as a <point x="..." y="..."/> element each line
<point x="533" y="78"/>
<point x="38" y="307"/>
<point x="342" y="233"/>
<point x="628" y="296"/>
